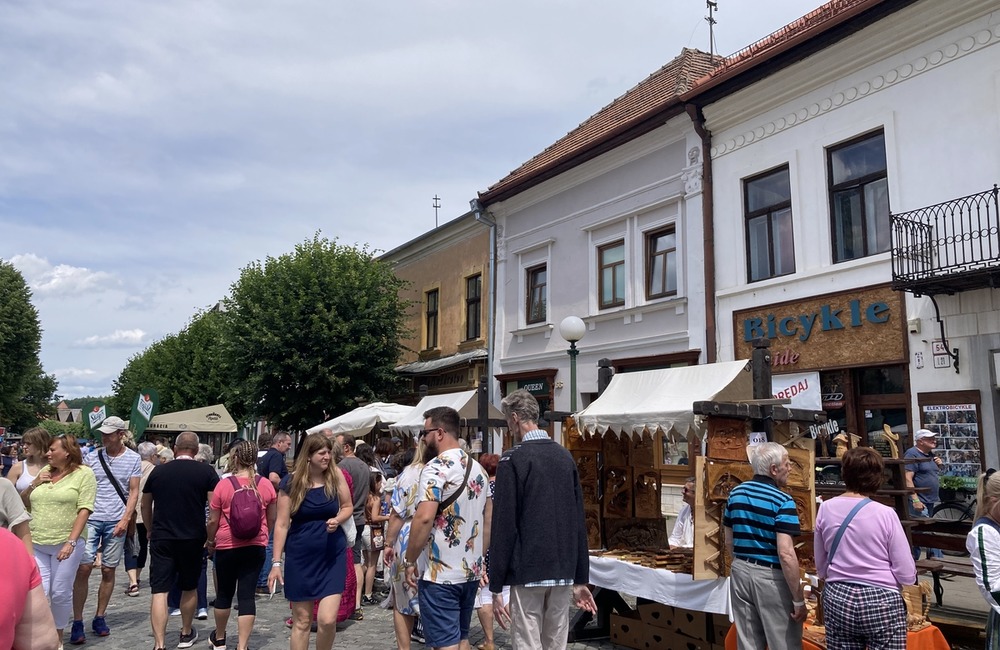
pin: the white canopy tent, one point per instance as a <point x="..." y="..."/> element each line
<point x="465" y="402"/>
<point x="662" y="399"/>
<point x="363" y="419"/>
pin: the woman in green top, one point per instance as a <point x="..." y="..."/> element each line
<point x="60" y="498"/>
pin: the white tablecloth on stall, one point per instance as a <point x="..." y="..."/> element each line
<point x="660" y="585"/>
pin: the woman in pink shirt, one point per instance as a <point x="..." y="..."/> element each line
<point x="238" y="561"/>
<point x="865" y="564"/>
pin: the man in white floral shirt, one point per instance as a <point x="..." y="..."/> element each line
<point x="451" y="527"/>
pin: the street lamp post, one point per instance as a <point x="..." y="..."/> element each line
<point x="572" y="329"/>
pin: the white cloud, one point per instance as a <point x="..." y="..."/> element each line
<point x="59" y="280"/>
<point x="117" y="339"/>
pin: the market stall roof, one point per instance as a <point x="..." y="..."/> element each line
<point x="364" y="418"/>
<point x="207" y="419"/>
<point x="465" y="402"/>
<point x="662" y="399"/>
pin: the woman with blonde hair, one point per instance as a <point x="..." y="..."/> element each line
<point x="36" y="441"/>
<point x="983" y="544"/>
<point x="404" y="505"/>
<point x="238" y="560"/>
<point x="60" y="498"/>
<point x="313" y="504"/>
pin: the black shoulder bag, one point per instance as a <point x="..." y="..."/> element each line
<point x="118" y="488"/>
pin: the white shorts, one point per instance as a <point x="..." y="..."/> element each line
<point x="485" y="596"/>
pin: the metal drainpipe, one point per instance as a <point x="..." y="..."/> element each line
<point x="708" y="224"/>
<point x="482" y="218"/>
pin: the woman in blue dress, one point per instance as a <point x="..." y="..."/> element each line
<point x="313" y="503"/>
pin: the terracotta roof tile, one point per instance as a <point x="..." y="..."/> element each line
<point x="657" y="91"/>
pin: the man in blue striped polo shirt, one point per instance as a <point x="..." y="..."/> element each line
<point x="760" y="521"/>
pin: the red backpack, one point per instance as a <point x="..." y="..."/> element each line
<point x="245" y="510"/>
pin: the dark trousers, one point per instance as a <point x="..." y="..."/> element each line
<point x="237" y="570"/>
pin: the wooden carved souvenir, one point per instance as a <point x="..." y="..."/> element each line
<point x="618" y="492"/>
<point x="615" y="449"/>
<point x="722" y="477"/>
<point x="586" y="466"/>
<point x="803" y="464"/>
<point x="709" y="560"/>
<point x="592" y="515"/>
<point x="805" y="554"/>
<point x="634" y="533"/>
<point x="643" y="451"/>
<point x="577" y="440"/>
<point x="647" y="493"/>
<point x="727" y="438"/>
<point x="805" y="506"/>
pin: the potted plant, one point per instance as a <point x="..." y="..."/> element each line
<point x="949" y="487"/>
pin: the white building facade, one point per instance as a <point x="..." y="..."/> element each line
<point x="807" y="164"/>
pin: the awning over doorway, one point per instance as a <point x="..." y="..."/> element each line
<point x="465" y="402"/>
<point x="363" y="419"/>
<point x="661" y="399"/>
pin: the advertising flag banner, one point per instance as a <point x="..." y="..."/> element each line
<point x="146" y="403"/>
<point x="96" y="412"/>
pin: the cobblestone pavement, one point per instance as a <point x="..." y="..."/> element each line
<point x="128" y="618"/>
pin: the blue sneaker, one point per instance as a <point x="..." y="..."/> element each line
<point x="100" y="627"/>
<point x="76" y="634"/>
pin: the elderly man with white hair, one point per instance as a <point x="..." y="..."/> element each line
<point x="760" y="521"/>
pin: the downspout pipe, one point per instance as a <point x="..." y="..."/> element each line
<point x="484" y="218"/>
<point x="708" y="226"/>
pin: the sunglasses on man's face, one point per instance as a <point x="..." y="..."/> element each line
<point x="425" y="432"/>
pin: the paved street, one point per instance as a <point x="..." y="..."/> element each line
<point x="129" y="622"/>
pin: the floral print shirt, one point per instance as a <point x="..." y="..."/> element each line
<point x="455" y="549"/>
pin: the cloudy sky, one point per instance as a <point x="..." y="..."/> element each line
<point x="150" y="150"/>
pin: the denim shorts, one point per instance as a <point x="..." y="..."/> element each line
<point x="446" y="611"/>
<point x="100" y="537"/>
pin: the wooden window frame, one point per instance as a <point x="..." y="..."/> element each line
<point x="769" y="211"/>
<point x="543" y="287"/>
<point x="858" y="185"/>
<point x="432" y="308"/>
<point x="616" y="268"/>
<point x="473" y="307"/>
<point x="651" y="255"/>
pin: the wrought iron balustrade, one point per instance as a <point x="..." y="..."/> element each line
<point x="949" y="247"/>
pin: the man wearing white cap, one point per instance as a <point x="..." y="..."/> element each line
<point x="922" y="468"/>
<point x="117" y="470"/>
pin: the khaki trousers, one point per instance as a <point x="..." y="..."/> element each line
<point x="539" y="617"/>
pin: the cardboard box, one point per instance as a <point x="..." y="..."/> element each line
<point x="691" y="623"/>
<point x="657" y="639"/>
<point x="657" y="615"/>
<point x="719" y="625"/>
<point x="627" y="630"/>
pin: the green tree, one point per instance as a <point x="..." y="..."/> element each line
<point x="35" y="402"/>
<point x="21" y="377"/>
<point x="310" y="331"/>
<point x="185" y="369"/>
<point x="56" y="428"/>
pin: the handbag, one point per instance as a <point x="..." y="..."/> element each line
<point x="350" y="531"/>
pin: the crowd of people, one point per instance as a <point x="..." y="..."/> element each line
<point x="503" y="535"/>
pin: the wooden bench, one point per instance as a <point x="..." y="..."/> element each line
<point x="944" y="567"/>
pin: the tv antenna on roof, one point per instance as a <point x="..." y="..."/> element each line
<point x="710" y="19"/>
<point x="437" y="206"/>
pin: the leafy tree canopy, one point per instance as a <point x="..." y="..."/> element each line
<point x="22" y="381"/>
<point x="310" y="331"/>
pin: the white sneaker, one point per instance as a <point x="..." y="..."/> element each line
<point x="202" y="614"/>
<point x="175" y="612"/>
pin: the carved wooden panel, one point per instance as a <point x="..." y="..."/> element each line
<point x="618" y="492"/>
<point x="635" y="533"/>
<point x="592" y="516"/>
<point x="803" y="464"/>
<point x="577" y="440"/>
<point x="616" y="450"/>
<point x="586" y="466"/>
<point x="646" y="493"/>
<point x="643" y="453"/>
<point x="805" y="505"/>
<point x="709" y="559"/>
<point x="722" y="477"/>
<point x="727" y="438"/>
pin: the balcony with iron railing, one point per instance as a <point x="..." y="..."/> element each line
<point x="949" y="247"/>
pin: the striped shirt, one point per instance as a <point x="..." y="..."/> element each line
<point x="756" y="512"/>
